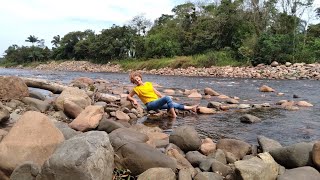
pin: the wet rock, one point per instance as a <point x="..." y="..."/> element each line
<point x="195" y="95"/>
<point x="211" y="92"/>
<point x="265" y="88"/>
<point x="157" y="173"/>
<point x="248" y="118"/>
<point x="304" y="104"/>
<point x="186" y="137"/>
<point x="296" y="96"/>
<point x="205" y="110"/>
<point x="305" y="172"/>
<point x="213" y="104"/>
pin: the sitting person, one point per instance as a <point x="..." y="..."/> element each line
<point x="152" y="98"/>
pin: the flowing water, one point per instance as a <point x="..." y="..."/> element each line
<point x="285" y="126"/>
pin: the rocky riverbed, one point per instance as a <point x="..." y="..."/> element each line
<point x="273" y="71"/>
<point x="86" y="130"/>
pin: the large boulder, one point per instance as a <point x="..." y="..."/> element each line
<point x="12" y="87"/>
<point x="87" y="156"/>
<point x="33" y="138"/>
<point x="75" y="95"/>
<point x="88" y="119"/>
<point x="186" y="138"/>
<point x="296" y="155"/>
<point x="255" y="168"/>
<point x="124" y="135"/>
<point x="138" y="157"/>
<point x="300" y="173"/>
<point x="268" y="144"/>
<point x="236" y="147"/>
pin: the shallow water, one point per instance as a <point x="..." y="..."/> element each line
<point x="287" y="127"/>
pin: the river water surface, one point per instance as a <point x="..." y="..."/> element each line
<point x="285" y="126"/>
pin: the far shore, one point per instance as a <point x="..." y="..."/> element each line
<point x="273" y="71"/>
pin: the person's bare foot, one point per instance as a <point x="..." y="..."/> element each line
<point x="195" y="108"/>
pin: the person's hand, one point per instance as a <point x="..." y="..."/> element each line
<point x="135" y="102"/>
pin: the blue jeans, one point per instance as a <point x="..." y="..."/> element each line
<point x="163" y="103"/>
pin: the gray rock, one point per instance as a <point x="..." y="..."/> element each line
<point x="4" y="114"/>
<point x="173" y="146"/>
<point x="184" y="175"/>
<point x="157" y="173"/>
<point x="139" y="157"/>
<point x="268" y="144"/>
<point x="254" y="168"/>
<point x="213" y="104"/>
<point x="208" y="176"/>
<point x="230" y="157"/>
<point x="66" y="130"/>
<point x="248" y="118"/>
<point x="87" y="156"/>
<point x="36" y="95"/>
<point x="25" y="171"/>
<point x="195" y="157"/>
<point x="124" y="135"/>
<point x="296" y="155"/>
<point x="236" y="147"/>
<point x="300" y="173"/>
<point x="220" y="168"/>
<point x="109" y="125"/>
<point x="186" y="137"/>
<point x="42" y="106"/>
<point x="205" y="165"/>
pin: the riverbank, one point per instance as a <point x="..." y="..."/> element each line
<point x="273" y="71"/>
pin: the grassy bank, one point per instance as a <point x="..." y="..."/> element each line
<point x="204" y="60"/>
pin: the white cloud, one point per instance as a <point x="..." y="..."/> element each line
<point x="45" y="19"/>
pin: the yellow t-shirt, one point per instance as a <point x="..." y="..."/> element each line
<point x="145" y="92"/>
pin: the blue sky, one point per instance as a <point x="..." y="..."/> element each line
<point x="45" y="19"/>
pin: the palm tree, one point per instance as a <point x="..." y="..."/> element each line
<point x="32" y="39"/>
<point x="56" y="40"/>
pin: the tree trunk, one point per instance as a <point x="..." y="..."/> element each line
<point x="42" y="84"/>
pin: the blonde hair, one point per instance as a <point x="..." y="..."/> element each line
<point x="134" y="74"/>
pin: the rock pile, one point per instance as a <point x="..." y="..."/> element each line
<point x="88" y="134"/>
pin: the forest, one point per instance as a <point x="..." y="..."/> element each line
<point x="249" y="32"/>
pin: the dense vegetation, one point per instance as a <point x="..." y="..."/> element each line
<point x="229" y="32"/>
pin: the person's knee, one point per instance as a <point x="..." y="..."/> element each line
<point x="168" y="99"/>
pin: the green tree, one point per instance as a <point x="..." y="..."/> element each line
<point x="32" y="39"/>
<point x="56" y="40"/>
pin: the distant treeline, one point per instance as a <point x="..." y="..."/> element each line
<point x="249" y="31"/>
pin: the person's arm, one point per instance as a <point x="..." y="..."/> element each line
<point x="157" y="93"/>
<point x="131" y="98"/>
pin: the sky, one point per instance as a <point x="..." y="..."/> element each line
<point x="47" y="18"/>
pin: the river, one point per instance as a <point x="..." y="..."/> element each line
<point x="285" y="126"/>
